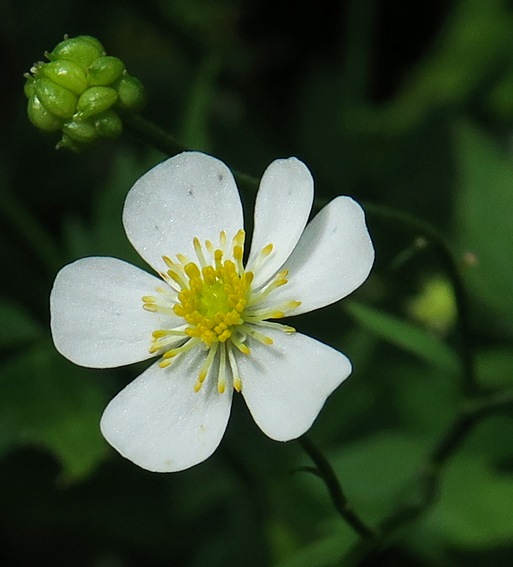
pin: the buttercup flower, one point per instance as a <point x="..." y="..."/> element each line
<point x="211" y="318"/>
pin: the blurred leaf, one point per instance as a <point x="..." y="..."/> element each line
<point x="324" y="552"/>
<point x="475" y="509"/>
<point x="376" y="471"/>
<point x="495" y="367"/>
<point x="426" y="399"/>
<point x="484" y="212"/>
<point x="405" y="335"/>
<point x="18" y="326"/>
<point x="195" y="128"/>
<point x="47" y="401"/>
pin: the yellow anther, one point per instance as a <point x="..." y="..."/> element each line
<point x="192" y="270"/>
<point x="218" y="307"/>
<point x="266" y="250"/>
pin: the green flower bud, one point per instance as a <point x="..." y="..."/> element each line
<point x="67" y="142"/>
<point x="131" y="93"/>
<point x="108" y="124"/>
<point x="67" y="74"/>
<point x="41" y="117"/>
<point x="105" y="70"/>
<point x="80" y="91"/>
<point x="82" y="50"/>
<point x="30" y="86"/>
<point x="80" y="131"/>
<point x="95" y="100"/>
<point x="56" y="99"/>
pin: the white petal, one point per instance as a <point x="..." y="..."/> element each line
<point x="191" y="194"/>
<point x="282" y="206"/>
<point x="161" y="424"/>
<point x="286" y="384"/>
<point x="97" y="318"/>
<point x="333" y="257"/>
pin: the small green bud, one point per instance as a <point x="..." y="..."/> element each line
<point x="80" y="131"/>
<point x="41" y="117"/>
<point x="105" y="70"/>
<point x="68" y="143"/>
<point x="56" y="99"/>
<point x="108" y="124"/>
<point x="82" y="50"/>
<point x="131" y="93"/>
<point x="67" y="74"/>
<point x="95" y="100"/>
<point x="30" y="86"/>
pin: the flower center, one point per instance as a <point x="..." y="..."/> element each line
<point x="214" y="300"/>
<point x="218" y="305"/>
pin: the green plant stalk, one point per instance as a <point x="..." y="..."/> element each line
<point x="466" y="343"/>
<point x="325" y="471"/>
<point x="429" y="475"/>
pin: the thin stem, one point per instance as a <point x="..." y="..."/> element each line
<point x="325" y="471"/>
<point x="470" y="384"/>
<point x="429" y="474"/>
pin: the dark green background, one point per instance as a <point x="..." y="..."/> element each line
<point x="401" y="104"/>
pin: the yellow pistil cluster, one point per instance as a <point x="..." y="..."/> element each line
<point x="218" y="305"/>
<point x="214" y="300"/>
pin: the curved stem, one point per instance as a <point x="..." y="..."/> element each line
<point x="325" y="471"/>
<point x="470" y="384"/>
<point x="429" y="474"/>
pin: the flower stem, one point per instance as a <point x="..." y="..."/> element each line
<point x="429" y="474"/>
<point x="466" y="346"/>
<point x="325" y="471"/>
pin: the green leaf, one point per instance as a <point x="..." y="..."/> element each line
<point x="18" y="326"/>
<point x="475" y="509"/>
<point x="405" y="335"/>
<point x="47" y="401"/>
<point x="495" y="367"/>
<point x="484" y="210"/>
<point x="323" y="552"/>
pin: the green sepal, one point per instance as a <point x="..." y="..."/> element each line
<point x="95" y="100"/>
<point x="108" y="124"/>
<point x="67" y="74"/>
<point x="58" y="100"/>
<point x="41" y="117"/>
<point x="80" y="130"/>
<point x="82" y="50"/>
<point x="105" y="70"/>
<point x="131" y="93"/>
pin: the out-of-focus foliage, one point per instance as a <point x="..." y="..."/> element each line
<point x="399" y="104"/>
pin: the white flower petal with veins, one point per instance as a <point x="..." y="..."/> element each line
<point x="286" y="383"/>
<point x="190" y="195"/>
<point x="210" y="318"/>
<point x="160" y="423"/>
<point x="97" y="320"/>
<point x="282" y="207"/>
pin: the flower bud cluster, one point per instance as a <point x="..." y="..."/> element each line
<point x="81" y="91"/>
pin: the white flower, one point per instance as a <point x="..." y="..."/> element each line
<point x="206" y="317"/>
